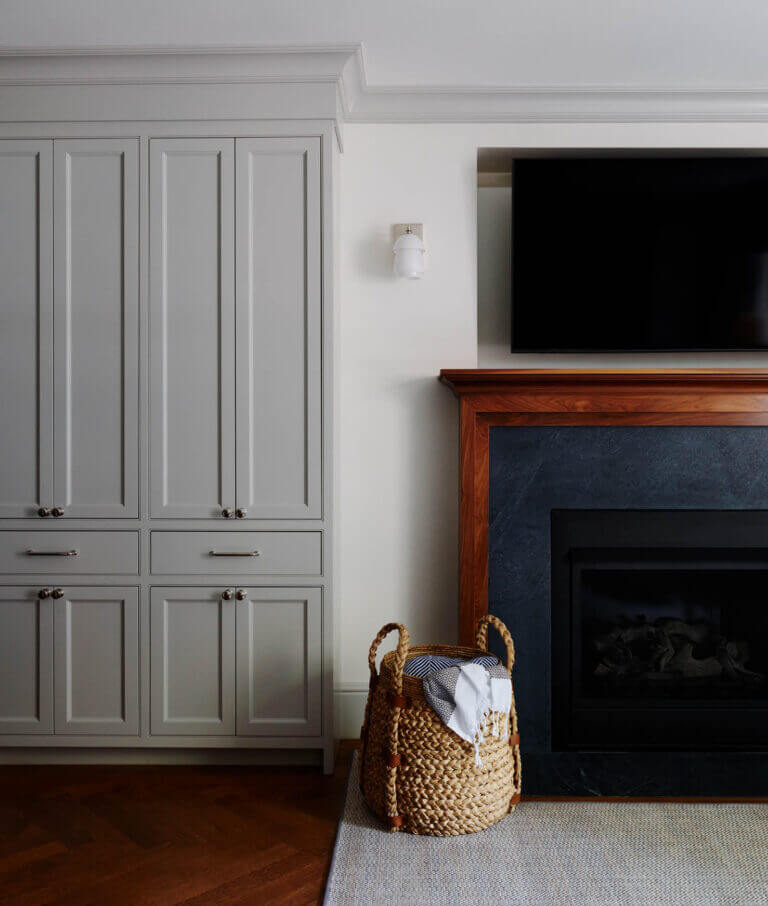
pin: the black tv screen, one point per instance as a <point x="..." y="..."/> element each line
<point x="639" y="253"/>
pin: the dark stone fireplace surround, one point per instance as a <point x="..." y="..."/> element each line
<point x="537" y="470"/>
<point x="538" y="442"/>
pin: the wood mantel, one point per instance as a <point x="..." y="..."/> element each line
<point x="508" y="397"/>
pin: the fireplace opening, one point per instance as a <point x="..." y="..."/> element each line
<point x="660" y="630"/>
<point x="655" y="633"/>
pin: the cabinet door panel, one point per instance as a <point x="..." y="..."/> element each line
<point x="278" y="328"/>
<point x="26" y="662"/>
<point x="96" y="641"/>
<point x="192" y="327"/>
<point x="96" y="340"/>
<point x="279" y="662"/>
<point x="192" y="662"/>
<point x="26" y="322"/>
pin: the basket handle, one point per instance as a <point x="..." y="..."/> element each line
<point x="481" y="640"/>
<point x="401" y="652"/>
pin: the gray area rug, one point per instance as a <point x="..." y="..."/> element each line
<point x="579" y="853"/>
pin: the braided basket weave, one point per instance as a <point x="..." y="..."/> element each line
<point x="415" y="773"/>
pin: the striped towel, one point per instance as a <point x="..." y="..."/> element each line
<point x="464" y="695"/>
<point x="424" y="664"/>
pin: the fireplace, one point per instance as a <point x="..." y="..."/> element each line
<point x="617" y="521"/>
<point x="659" y="630"/>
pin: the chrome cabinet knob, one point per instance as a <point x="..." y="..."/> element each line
<point x="240" y="594"/>
<point x="57" y="593"/>
<point x="227" y="594"/>
<point x="242" y="512"/>
<point x="44" y="593"/>
<point x="57" y="511"/>
<point x="43" y="512"/>
<point x="227" y="512"/>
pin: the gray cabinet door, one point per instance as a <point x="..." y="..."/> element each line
<point x="192" y="327"/>
<point x="192" y="662"/>
<point x="96" y="644"/>
<point x="26" y="320"/>
<point x="26" y="662"/>
<point x="279" y="662"/>
<point x="96" y="327"/>
<point x="278" y="333"/>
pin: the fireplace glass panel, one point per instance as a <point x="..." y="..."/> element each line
<point x="660" y="630"/>
<point x="660" y="634"/>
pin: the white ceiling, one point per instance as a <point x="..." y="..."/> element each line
<point x="425" y="43"/>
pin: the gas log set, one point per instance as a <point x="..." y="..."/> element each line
<point x="669" y="652"/>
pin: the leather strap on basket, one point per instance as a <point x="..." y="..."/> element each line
<point x="396" y="703"/>
<point x="481" y="641"/>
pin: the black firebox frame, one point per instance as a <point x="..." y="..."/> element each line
<point x="647" y="539"/>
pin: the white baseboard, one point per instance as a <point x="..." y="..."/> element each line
<point x="348" y="709"/>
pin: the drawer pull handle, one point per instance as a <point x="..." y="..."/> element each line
<point x="235" y="553"/>
<point x="32" y="553"/>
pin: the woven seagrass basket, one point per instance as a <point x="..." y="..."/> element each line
<point x="415" y="773"/>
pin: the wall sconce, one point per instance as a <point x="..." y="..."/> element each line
<point x="409" y="250"/>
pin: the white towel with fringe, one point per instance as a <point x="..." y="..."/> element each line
<point x="465" y="695"/>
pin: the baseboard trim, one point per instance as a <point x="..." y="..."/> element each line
<point x="348" y="709"/>
<point x="247" y="757"/>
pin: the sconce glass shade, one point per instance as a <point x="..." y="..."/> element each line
<point x="409" y="256"/>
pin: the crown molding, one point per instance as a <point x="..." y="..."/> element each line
<point x="365" y="103"/>
<point x="559" y="105"/>
<point x="340" y="68"/>
<point x="174" y="64"/>
<point x="182" y="82"/>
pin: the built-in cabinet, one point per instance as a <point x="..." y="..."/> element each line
<point x="69" y="660"/>
<point x="192" y="633"/>
<point x="26" y="327"/>
<point x="242" y="661"/>
<point x="278" y="636"/>
<point x="96" y="660"/>
<point x="95" y="327"/>
<point x="235" y="331"/>
<point x="26" y="661"/>
<point x="278" y="337"/>
<point x="164" y="368"/>
<point x="69" y="353"/>
<point x="192" y="327"/>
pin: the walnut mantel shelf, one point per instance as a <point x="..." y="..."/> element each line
<point x="472" y="380"/>
<point x="510" y="397"/>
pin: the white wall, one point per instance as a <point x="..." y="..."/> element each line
<point x="423" y="42"/>
<point x="398" y="457"/>
<point x="494" y="275"/>
<point x="398" y="468"/>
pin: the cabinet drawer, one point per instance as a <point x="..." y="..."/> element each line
<point x="237" y="553"/>
<point x="69" y="553"/>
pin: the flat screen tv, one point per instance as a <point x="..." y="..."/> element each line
<point x="639" y="254"/>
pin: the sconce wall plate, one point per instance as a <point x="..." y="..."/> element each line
<point x="399" y="229"/>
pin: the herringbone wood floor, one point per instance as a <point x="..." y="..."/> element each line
<point x="155" y="836"/>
